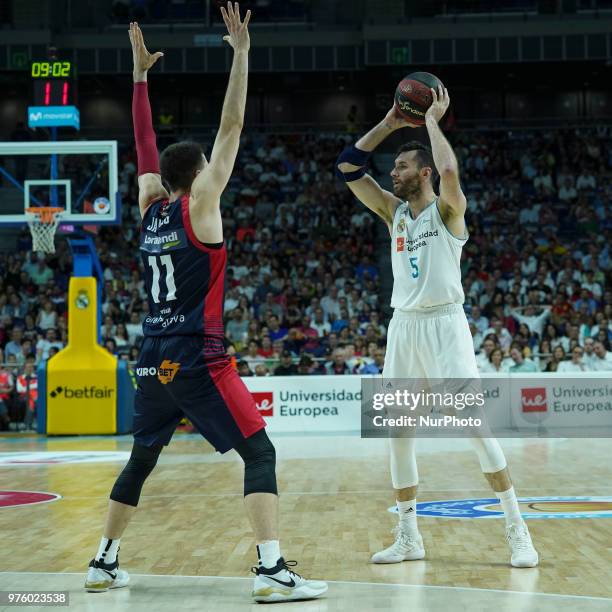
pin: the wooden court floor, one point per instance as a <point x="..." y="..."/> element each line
<point x="189" y="545"/>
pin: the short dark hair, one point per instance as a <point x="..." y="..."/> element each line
<point x="424" y="156"/>
<point x="179" y="162"/>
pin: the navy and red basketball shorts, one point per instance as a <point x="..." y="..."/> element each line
<point x="176" y="380"/>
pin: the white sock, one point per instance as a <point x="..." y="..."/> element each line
<point x="107" y="551"/>
<point x="407" y="515"/>
<point x="268" y="553"/>
<point x="510" y="506"/>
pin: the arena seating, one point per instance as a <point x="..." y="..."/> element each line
<point x="304" y="275"/>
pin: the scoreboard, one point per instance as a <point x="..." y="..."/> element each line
<point x="53" y="94"/>
<point x="53" y="83"/>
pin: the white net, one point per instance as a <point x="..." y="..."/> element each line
<point x="43" y="226"/>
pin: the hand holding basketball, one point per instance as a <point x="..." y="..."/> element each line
<point x="394" y="121"/>
<point x="238" y="36"/>
<point x="440" y="103"/>
<point x="143" y="60"/>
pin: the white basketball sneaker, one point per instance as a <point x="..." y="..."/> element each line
<point x="279" y="583"/>
<point x="408" y="546"/>
<point x="103" y="576"/>
<point x="519" y="540"/>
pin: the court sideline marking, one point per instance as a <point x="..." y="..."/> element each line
<point x="387" y="584"/>
<point x="286" y="493"/>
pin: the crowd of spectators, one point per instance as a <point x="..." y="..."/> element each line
<point x="303" y="280"/>
<point x="537" y="270"/>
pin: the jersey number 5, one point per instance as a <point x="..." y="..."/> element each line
<point x="415" y="268"/>
<point x="166" y="261"/>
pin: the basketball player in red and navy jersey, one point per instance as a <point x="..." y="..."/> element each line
<point x="183" y="369"/>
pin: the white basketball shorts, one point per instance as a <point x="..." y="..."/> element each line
<point x="432" y="344"/>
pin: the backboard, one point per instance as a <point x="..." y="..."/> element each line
<point x="79" y="176"/>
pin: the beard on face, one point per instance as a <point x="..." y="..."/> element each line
<point x="409" y="188"/>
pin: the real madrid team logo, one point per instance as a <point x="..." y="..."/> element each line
<point x="82" y="300"/>
<point x="401" y="226"/>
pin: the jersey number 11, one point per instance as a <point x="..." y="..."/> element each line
<point x="166" y="261"/>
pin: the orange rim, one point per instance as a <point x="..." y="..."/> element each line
<point x="46" y="213"/>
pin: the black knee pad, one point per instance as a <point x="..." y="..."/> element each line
<point x="129" y="484"/>
<point x="259" y="459"/>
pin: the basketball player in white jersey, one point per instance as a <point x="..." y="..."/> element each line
<point x="428" y="336"/>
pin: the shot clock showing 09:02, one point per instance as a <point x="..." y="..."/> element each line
<point x="51" y="70"/>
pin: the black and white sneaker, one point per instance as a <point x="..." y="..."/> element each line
<point x="103" y="576"/>
<point x="279" y="583"/>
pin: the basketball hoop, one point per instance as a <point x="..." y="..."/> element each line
<point x="43" y="222"/>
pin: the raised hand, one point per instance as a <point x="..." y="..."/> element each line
<point x="238" y="36"/>
<point x="394" y="120"/>
<point x="440" y="103"/>
<point x="143" y="60"/>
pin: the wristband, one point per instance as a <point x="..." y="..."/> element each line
<point x="356" y="157"/>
